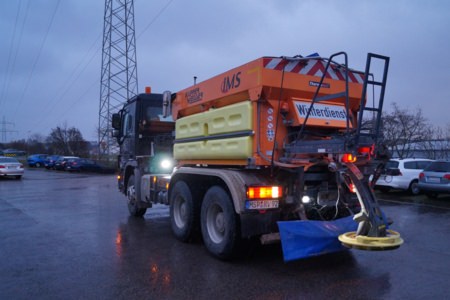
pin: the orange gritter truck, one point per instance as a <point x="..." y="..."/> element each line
<point x="280" y="148"/>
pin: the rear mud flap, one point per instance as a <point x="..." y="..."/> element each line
<point x="302" y="239"/>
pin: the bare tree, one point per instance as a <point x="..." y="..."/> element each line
<point x="403" y="128"/>
<point x="67" y="141"/>
<point x="438" y="145"/>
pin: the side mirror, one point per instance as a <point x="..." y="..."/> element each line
<point x="167" y="103"/>
<point x="116" y="121"/>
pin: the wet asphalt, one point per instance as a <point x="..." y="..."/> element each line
<point x="68" y="236"/>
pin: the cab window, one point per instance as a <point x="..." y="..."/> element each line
<point x="127" y="125"/>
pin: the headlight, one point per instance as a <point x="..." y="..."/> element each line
<point x="306" y="199"/>
<point x="166" y="163"/>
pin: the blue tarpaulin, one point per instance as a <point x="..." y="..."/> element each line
<point x="301" y="239"/>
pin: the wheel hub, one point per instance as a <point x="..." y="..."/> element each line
<point x="131" y="195"/>
<point x="220" y="224"/>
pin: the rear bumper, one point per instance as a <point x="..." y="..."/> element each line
<point x="12" y="173"/>
<point x="438" y="188"/>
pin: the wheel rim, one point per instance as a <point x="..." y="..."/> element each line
<point x="179" y="212"/>
<point x="215" y="223"/>
<point x="131" y="195"/>
<point x="415" y="188"/>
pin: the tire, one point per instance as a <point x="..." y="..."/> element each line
<point x="37" y="165"/>
<point x="219" y="223"/>
<point x="414" y="188"/>
<point x="184" y="212"/>
<point x="18" y="177"/>
<point x="132" y="201"/>
<point x="432" y="195"/>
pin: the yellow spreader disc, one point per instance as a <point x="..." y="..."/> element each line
<point x="391" y="241"/>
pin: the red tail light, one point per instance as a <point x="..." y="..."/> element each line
<point x="364" y="150"/>
<point x="421" y="175"/>
<point x="2" y="167"/>
<point x="447" y="176"/>
<point x="264" y="192"/>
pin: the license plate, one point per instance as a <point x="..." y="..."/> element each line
<point x="434" y="179"/>
<point x="12" y="167"/>
<point x="261" y="204"/>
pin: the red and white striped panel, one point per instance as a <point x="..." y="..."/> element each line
<point x="312" y="67"/>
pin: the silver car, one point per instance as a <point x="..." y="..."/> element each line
<point x="435" y="179"/>
<point x="10" y="166"/>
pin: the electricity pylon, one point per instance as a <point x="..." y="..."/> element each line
<point x="119" y="69"/>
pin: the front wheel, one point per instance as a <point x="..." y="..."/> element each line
<point x="184" y="212"/>
<point x="219" y="223"/>
<point x="132" y="201"/>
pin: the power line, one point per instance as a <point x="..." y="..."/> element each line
<point x="155" y="18"/>
<point x="37" y="57"/>
<point x="9" y="73"/>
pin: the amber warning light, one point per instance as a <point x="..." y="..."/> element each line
<point x="348" y="158"/>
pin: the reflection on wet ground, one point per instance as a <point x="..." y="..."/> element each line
<point x="69" y="236"/>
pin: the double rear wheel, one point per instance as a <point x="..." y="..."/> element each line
<point x="214" y="217"/>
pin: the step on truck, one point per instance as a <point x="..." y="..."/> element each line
<point x="280" y="148"/>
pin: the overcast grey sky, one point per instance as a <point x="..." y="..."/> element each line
<point x="50" y="54"/>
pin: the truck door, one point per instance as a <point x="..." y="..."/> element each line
<point x="128" y="131"/>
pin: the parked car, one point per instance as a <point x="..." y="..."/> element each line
<point x="36" y="160"/>
<point x="86" y="165"/>
<point x="9" y="166"/>
<point x="82" y="165"/>
<point x="435" y="179"/>
<point x="60" y="163"/>
<point x="402" y="174"/>
<point x="50" y="161"/>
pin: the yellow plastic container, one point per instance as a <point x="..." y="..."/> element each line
<point x="206" y="130"/>
<point x="233" y="148"/>
<point x="232" y="118"/>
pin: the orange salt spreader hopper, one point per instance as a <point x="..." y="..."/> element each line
<point x="248" y="112"/>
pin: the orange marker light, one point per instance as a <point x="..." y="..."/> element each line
<point x="348" y="158"/>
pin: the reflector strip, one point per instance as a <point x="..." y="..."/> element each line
<point x="312" y="67"/>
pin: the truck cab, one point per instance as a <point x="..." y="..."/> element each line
<point x="145" y="138"/>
